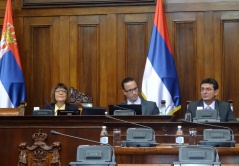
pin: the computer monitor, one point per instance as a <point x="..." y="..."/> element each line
<point x="68" y="112"/>
<point x="206" y="115"/>
<point x="93" y="111"/>
<point x="135" y="107"/>
<point x="43" y="112"/>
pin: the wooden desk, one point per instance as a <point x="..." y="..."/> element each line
<point x="14" y="130"/>
<point x="167" y="154"/>
<point x="164" y="164"/>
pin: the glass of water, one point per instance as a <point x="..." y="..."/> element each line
<point x="117" y="137"/>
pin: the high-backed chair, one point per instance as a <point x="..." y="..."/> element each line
<point x="39" y="154"/>
<point x="80" y="99"/>
<point x="20" y="111"/>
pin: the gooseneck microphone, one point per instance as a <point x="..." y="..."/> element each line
<point x="133" y="123"/>
<point x="123" y="108"/>
<point x="202" y="147"/>
<point x="212" y="125"/>
<point x="80" y="138"/>
<point x="49" y="105"/>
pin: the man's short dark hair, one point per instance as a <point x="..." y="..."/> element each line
<point x="210" y="81"/>
<point x="126" y="80"/>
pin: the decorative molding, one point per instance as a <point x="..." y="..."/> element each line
<point x="83" y="3"/>
<point x="39" y="153"/>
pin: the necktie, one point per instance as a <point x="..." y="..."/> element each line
<point x="208" y="107"/>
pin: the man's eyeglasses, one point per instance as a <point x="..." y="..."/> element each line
<point x="206" y="89"/>
<point x="131" y="90"/>
<point x="60" y="90"/>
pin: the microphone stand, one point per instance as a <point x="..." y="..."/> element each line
<point x="216" y="142"/>
<point x="137" y="124"/>
<point x="80" y="138"/>
<point x="202" y="160"/>
<point x="132" y="142"/>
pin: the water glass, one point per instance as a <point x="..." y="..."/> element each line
<point x="188" y="117"/>
<point x="117" y="137"/>
<point x="192" y="136"/>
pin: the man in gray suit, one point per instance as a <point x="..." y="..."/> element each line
<point x="209" y="91"/>
<point x="131" y="91"/>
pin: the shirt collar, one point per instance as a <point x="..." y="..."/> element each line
<point x="138" y="101"/>
<point x="212" y="105"/>
<point x="61" y="108"/>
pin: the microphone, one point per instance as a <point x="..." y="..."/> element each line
<point x="218" y="116"/>
<point x="49" y="105"/>
<point x="212" y="125"/>
<point x="202" y="147"/>
<point x="137" y="124"/>
<point x="124" y="108"/>
<point x="58" y="133"/>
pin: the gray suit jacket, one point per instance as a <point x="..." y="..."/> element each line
<point x="223" y="108"/>
<point x="148" y="107"/>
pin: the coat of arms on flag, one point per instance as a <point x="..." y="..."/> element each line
<point x="12" y="85"/>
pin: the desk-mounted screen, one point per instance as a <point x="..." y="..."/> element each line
<point x="134" y="107"/>
<point x="93" y="111"/>
<point x="68" y="112"/>
<point x="43" y="112"/>
<point x="206" y="115"/>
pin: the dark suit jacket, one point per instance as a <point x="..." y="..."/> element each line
<point x="223" y="108"/>
<point x="68" y="107"/>
<point x="148" y="107"/>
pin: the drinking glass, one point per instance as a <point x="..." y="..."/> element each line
<point x="188" y="117"/>
<point x="192" y="136"/>
<point x="116" y="137"/>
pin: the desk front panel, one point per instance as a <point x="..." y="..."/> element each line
<point x="14" y="130"/>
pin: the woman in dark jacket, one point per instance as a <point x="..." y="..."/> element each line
<point x="60" y="99"/>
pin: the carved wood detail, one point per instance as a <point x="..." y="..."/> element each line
<point x="79" y="97"/>
<point x="82" y="3"/>
<point x="39" y="154"/>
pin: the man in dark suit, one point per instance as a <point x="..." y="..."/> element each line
<point x="209" y="91"/>
<point x="131" y="91"/>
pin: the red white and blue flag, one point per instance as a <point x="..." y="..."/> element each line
<point x="160" y="79"/>
<point x="12" y="85"/>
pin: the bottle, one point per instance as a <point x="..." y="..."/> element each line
<point x="162" y="108"/>
<point x="179" y="136"/>
<point x="104" y="135"/>
<point x="231" y="104"/>
<point x="188" y="103"/>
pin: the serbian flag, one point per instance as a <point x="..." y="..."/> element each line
<point x="160" y="79"/>
<point x="12" y="86"/>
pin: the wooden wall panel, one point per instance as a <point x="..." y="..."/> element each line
<point x="41" y="58"/>
<point x="136" y="50"/>
<point x="186" y="58"/>
<point x="133" y="34"/>
<point x="94" y="48"/>
<point x="88" y="53"/>
<point x="230" y="49"/>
